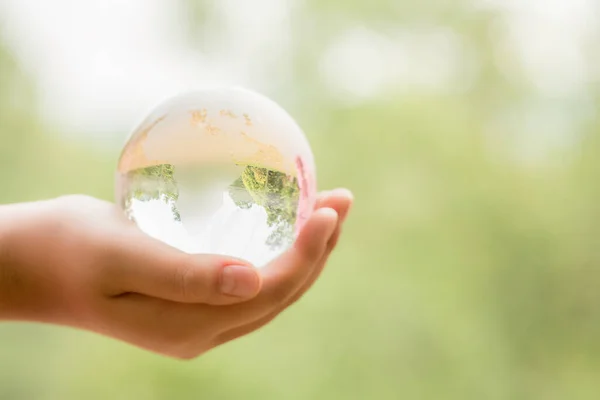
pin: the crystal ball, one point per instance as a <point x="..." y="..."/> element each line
<point x="221" y="171"/>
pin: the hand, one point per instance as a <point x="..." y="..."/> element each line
<point x="77" y="261"/>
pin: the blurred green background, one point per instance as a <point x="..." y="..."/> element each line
<point x="469" y="133"/>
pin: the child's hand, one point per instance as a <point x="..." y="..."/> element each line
<point x="77" y="261"/>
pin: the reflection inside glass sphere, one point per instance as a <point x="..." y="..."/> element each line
<point x="224" y="171"/>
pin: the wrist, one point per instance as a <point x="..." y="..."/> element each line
<point x="21" y="295"/>
<point x="8" y="269"/>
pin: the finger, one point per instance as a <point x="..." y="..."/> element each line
<point x="145" y="266"/>
<point x="253" y="326"/>
<point x="341" y="202"/>
<point x="285" y="275"/>
<point x="169" y="328"/>
<point x="339" y="199"/>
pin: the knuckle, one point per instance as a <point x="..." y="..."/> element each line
<point x="186" y="278"/>
<point x="196" y="281"/>
<point x="180" y="351"/>
<point x="74" y="198"/>
<point x="75" y="204"/>
<point x="189" y="354"/>
<point x="184" y="345"/>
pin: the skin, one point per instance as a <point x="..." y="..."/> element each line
<point x="77" y="261"/>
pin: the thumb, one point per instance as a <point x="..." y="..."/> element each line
<point x="152" y="268"/>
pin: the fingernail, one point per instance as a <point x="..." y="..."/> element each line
<point x="342" y="192"/>
<point x="239" y="281"/>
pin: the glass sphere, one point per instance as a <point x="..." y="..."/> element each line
<point x="222" y="171"/>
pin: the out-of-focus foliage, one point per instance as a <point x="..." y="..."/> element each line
<point x="34" y="162"/>
<point x="465" y="271"/>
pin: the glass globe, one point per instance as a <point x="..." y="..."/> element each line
<point x="222" y="171"/>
